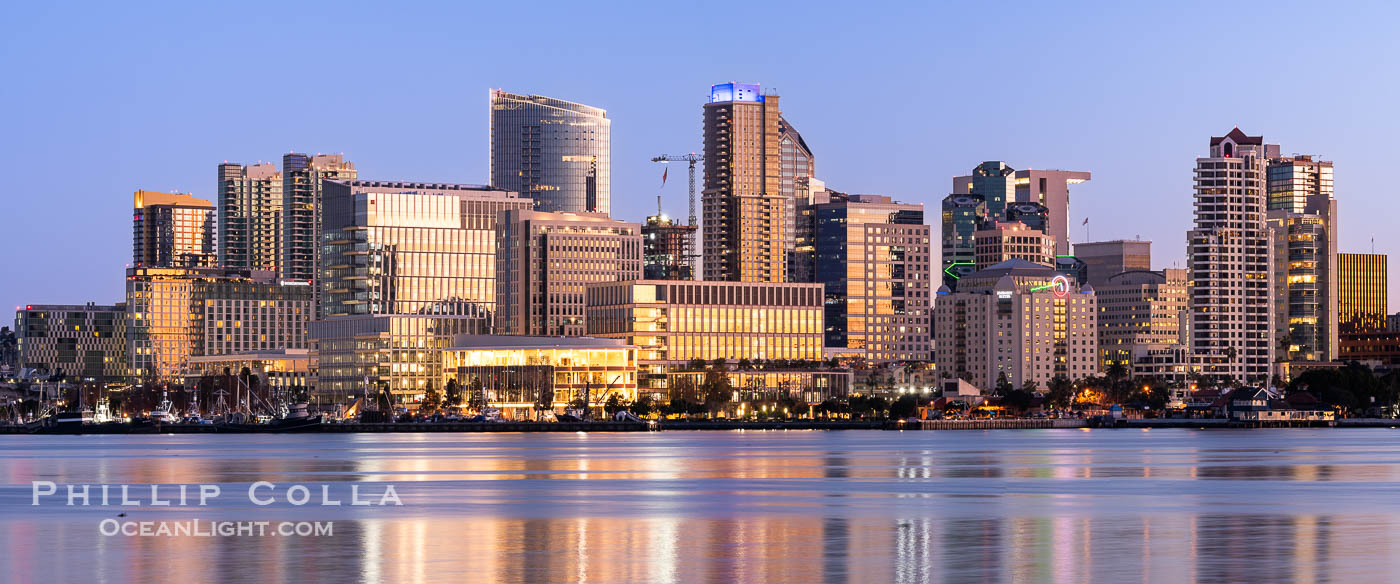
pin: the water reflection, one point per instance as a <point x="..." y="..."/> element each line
<point x="1043" y="506"/>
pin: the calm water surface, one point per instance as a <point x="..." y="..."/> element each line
<point x="856" y="506"/>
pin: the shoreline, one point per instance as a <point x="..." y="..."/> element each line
<point x="711" y="425"/>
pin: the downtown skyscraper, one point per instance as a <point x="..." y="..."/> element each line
<point x="748" y="228"/>
<point x="557" y="153"/>
<point x="1303" y="219"/>
<point x="250" y="216"/>
<point x="303" y="183"/>
<point x="1230" y="261"/>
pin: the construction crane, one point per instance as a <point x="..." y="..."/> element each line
<point x="692" y="158"/>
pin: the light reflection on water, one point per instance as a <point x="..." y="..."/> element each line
<point x="860" y="506"/>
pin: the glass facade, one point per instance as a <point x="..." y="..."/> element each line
<point x="962" y="216"/>
<point x="401" y="352"/>
<point x="555" y="152"/>
<point x="872" y="257"/>
<point x="672" y="323"/>
<point x="172" y="231"/>
<point x="515" y="371"/>
<point x="412" y="248"/>
<point x="1361" y="289"/>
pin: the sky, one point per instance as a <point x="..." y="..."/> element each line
<point x="103" y="99"/>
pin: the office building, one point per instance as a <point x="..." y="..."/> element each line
<point x="1033" y="215"/>
<point x="360" y="354"/>
<point x="80" y="342"/>
<point x="1230" y="260"/>
<point x="1361" y="292"/>
<point x="171" y="231"/>
<point x="962" y="216"/>
<point x="176" y="314"/>
<point x="1050" y="189"/>
<point x="995" y="192"/>
<point x="995" y="182"/>
<point x="516" y="372"/>
<point x="796" y="172"/>
<point x="1303" y="223"/>
<point x="544" y="261"/>
<point x="1140" y="309"/>
<point x="1106" y="259"/>
<point x="999" y="241"/>
<point x="555" y="152"/>
<point x="668" y="249"/>
<point x="303" y="184"/>
<point x="1299" y="184"/>
<point x="250" y="216"/>
<point x="1018" y="321"/>
<point x="674" y="323"/>
<point x="745" y="236"/>
<point x="394" y="247"/>
<point x="872" y="258"/>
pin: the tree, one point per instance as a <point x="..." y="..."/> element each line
<point x="615" y="404"/>
<point x="544" y="400"/>
<point x="476" y="395"/>
<point x="1061" y="392"/>
<point x="744" y="364"/>
<point x="1003" y="384"/>
<point x="716" y="388"/>
<point x="907" y="406"/>
<point x="453" y="393"/>
<point x="696" y="365"/>
<point x="1017" y="400"/>
<point x="644" y="405"/>
<point x="432" y="399"/>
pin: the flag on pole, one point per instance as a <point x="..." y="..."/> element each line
<point x="664" y="172"/>
<point x="1086" y="221"/>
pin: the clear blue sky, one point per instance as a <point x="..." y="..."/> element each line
<point x="104" y="99"/>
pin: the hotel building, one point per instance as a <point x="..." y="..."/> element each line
<point x="171" y="231"/>
<point x="515" y="372"/>
<point x="1016" y="319"/>
<point x="544" y="261"/>
<point x="673" y="323"/>
<point x="555" y="152"/>
<point x="250" y="216"/>
<point x="872" y="257"/>
<point x="1230" y="260"/>
<point x="175" y="314"/>
<point x="303" y="183"/>
<point x="81" y="342"/>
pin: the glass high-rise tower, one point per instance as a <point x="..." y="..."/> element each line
<point x="556" y="152"/>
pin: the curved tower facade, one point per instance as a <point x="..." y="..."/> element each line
<point x="557" y="153"/>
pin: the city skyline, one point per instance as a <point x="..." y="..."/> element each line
<point x="170" y="145"/>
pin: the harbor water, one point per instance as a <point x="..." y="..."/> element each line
<point x="1054" y="505"/>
